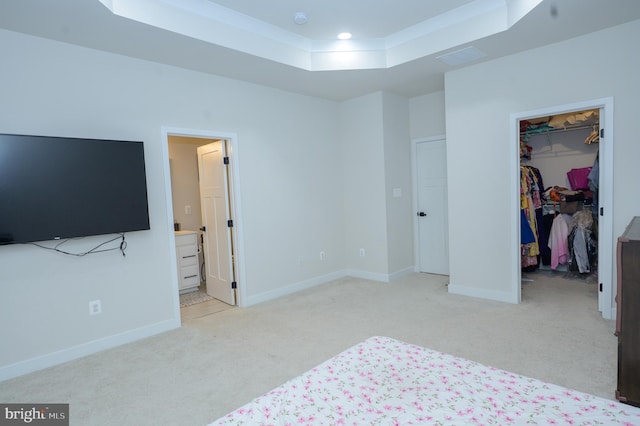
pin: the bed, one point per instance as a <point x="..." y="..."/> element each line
<point x="383" y="381"/>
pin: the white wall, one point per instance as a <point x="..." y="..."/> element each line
<point x="185" y="188"/>
<point x="557" y="153"/>
<point x="479" y="101"/>
<point x="362" y="132"/>
<point x="292" y="200"/>
<point x="376" y="151"/>
<point x="427" y="116"/>
<point x="397" y="158"/>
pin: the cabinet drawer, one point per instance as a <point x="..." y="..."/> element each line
<point x="189" y="276"/>
<point x="186" y="239"/>
<point x="187" y="255"/>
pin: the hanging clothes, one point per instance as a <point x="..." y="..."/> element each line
<point x="526" y="233"/>
<point x="558" y="241"/>
<point x="531" y="189"/>
<point x="582" y="243"/>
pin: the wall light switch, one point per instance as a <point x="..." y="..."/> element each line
<point x="397" y="192"/>
<point x="187" y="209"/>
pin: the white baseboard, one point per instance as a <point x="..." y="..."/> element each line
<point x="75" y="352"/>
<point x="366" y="275"/>
<point x="323" y="279"/>
<point x="385" y="278"/>
<point x="612" y="314"/>
<point x="401" y="273"/>
<point x="498" y="296"/>
<point x="293" y="288"/>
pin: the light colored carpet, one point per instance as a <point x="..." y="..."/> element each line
<point x="215" y="363"/>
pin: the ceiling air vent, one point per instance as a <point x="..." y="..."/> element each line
<point x="461" y="56"/>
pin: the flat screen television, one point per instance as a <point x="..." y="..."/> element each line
<point x="56" y="188"/>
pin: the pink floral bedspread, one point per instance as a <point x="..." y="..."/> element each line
<point x="383" y="381"/>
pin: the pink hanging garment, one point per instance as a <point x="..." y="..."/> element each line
<point x="559" y="242"/>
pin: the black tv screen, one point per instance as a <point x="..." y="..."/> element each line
<point x="55" y="188"/>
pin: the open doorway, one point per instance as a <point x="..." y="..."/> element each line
<point x="201" y="198"/>
<point x="563" y="198"/>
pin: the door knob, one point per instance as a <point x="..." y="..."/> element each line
<point x="422" y="214"/>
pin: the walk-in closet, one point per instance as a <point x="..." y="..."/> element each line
<point x="559" y="177"/>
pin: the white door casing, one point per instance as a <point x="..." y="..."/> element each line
<point x="606" y="256"/>
<point x="431" y="206"/>
<point x="604" y="249"/>
<point x="214" y="197"/>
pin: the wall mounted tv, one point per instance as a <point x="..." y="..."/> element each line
<point x="56" y="188"/>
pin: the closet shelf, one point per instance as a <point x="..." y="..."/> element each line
<point x="582" y="120"/>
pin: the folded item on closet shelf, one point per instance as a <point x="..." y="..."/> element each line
<point x="569" y="119"/>
<point x="560" y="193"/>
<point x="554" y="192"/>
<point x="578" y="196"/>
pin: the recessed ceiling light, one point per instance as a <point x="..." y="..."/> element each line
<point x="300" y="18"/>
<point x="344" y="36"/>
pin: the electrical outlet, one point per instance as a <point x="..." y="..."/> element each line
<point x="362" y="252"/>
<point x="95" y="307"/>
<point x="322" y="255"/>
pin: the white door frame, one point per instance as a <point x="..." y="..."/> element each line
<point x="414" y="180"/>
<point x="234" y="194"/>
<point x="606" y="254"/>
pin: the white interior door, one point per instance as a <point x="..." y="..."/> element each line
<point x="214" y="198"/>
<point x="433" y="241"/>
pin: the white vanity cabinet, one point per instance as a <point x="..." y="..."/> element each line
<point x="188" y="260"/>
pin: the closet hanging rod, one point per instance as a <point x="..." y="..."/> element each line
<point x="545" y="130"/>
